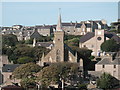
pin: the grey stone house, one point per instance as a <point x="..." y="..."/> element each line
<point x="108" y="64"/>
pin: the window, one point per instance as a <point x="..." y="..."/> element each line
<point x="103" y="66"/>
<point x="92" y="46"/>
<point x="83" y="29"/>
<point x="84" y="45"/>
<point x="99" y="38"/>
<point x="10" y="77"/>
<point x="114" y="66"/>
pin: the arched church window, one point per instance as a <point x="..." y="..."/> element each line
<point x="58" y="52"/>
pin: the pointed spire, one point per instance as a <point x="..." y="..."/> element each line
<point x="59" y="24"/>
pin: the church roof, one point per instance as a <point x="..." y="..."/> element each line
<point x="90" y="35"/>
<point x="68" y="48"/>
<point x="86" y="37"/>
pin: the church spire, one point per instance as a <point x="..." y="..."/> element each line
<point x="59" y="24"/>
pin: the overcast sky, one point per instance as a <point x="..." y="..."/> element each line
<point x="37" y="13"/>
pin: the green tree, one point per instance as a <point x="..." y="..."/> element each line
<point x="52" y="74"/>
<point x="26" y="70"/>
<point x="24" y="60"/>
<point x="30" y="41"/>
<point x="22" y="50"/>
<point x="73" y="42"/>
<point x="106" y="81"/>
<point x="9" y="40"/>
<point x="28" y="83"/>
<point x="110" y="46"/>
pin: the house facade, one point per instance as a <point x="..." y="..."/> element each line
<point x="110" y="65"/>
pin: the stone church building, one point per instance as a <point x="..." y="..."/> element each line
<point x="93" y="40"/>
<point x="60" y="52"/>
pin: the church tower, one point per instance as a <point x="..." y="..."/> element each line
<point x="59" y="41"/>
<point x="60" y="51"/>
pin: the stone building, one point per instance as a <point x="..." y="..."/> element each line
<point x="83" y="27"/>
<point x="72" y="28"/>
<point x="45" y="30"/>
<point x="93" y="40"/>
<point x="110" y="65"/>
<point x="60" y="52"/>
<point x="6" y="69"/>
<point x="27" y="32"/>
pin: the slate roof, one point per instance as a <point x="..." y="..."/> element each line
<point x="69" y="49"/>
<point x="88" y="25"/>
<point x="44" y="44"/>
<point x="68" y="24"/>
<point x="86" y="37"/>
<point x="43" y="27"/>
<point x="90" y="35"/>
<point x="78" y="25"/>
<point x="35" y="34"/>
<point x="9" y="67"/>
<point x="107" y="60"/>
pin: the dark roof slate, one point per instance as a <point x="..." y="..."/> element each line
<point x="9" y="67"/>
<point x="114" y="61"/>
<point x="86" y="37"/>
<point x="35" y="34"/>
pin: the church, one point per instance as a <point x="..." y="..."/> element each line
<point x="60" y="52"/>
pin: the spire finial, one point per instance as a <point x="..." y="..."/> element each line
<point x="59" y="24"/>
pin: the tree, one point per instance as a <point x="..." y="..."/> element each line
<point x="52" y="74"/>
<point x="9" y="40"/>
<point x="106" y="81"/>
<point x="110" y="46"/>
<point x="24" y="60"/>
<point x="22" y="50"/>
<point x="28" y="83"/>
<point x="73" y="42"/>
<point x="26" y="70"/>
